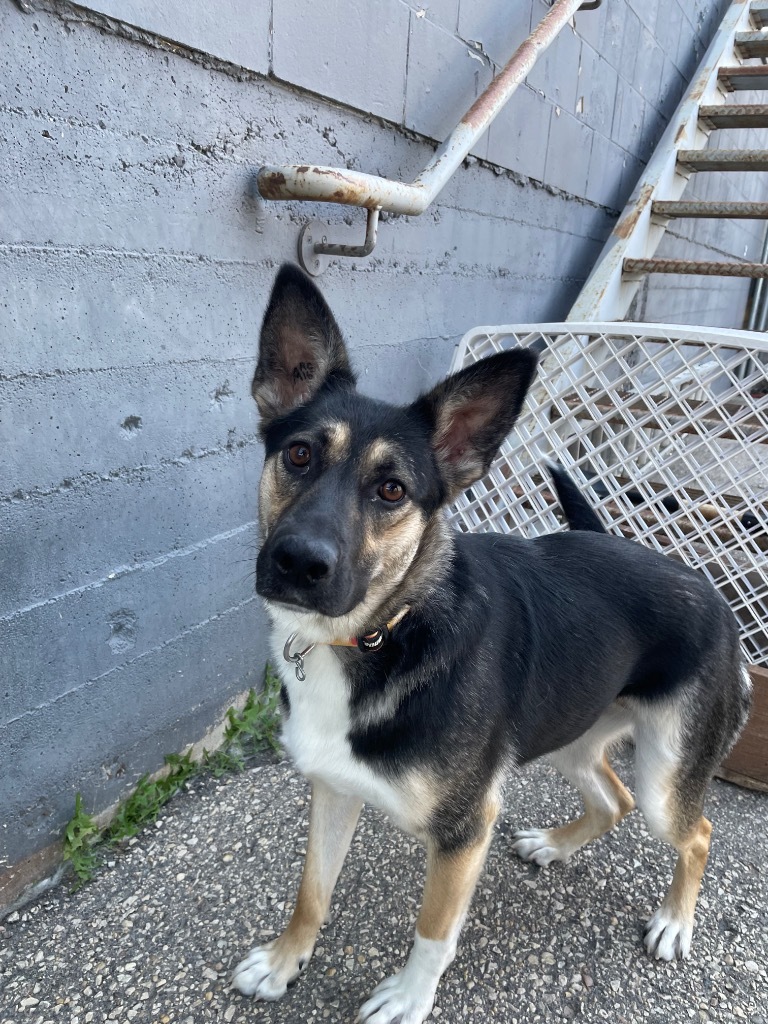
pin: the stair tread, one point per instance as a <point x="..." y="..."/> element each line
<point x="751" y="44"/>
<point x="744" y="76"/>
<point x="735" y="115"/>
<point x="706" y="268"/>
<point x="709" y="208"/>
<point x="724" y="159"/>
<point x="729" y="108"/>
<point x="759" y="14"/>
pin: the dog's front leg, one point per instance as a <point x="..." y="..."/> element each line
<point x="407" y="997"/>
<point x="268" y="970"/>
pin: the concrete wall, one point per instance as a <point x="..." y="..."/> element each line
<point x="134" y="267"/>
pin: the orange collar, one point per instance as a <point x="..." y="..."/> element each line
<point x="375" y="639"/>
<point x="367" y="643"/>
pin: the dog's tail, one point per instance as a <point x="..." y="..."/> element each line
<point x="578" y="511"/>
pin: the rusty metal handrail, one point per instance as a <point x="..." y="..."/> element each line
<point x="354" y="188"/>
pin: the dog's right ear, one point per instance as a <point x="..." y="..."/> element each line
<point x="301" y="349"/>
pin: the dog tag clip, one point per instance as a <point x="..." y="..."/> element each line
<point x="297" y="659"/>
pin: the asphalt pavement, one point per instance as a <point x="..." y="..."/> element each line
<point x="155" y="935"/>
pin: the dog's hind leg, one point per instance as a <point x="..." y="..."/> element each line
<point x="670" y="793"/>
<point x="606" y="800"/>
<point x="268" y="970"/>
<point x="407" y="997"/>
<point x="668" y="933"/>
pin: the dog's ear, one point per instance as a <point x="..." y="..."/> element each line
<point x="471" y="413"/>
<point x="301" y="348"/>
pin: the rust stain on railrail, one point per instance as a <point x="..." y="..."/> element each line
<point x="626" y="225"/>
<point x="271" y="185"/>
<point x="701" y="84"/>
<point x="274" y="185"/>
<point x="495" y="96"/>
<point x="482" y="109"/>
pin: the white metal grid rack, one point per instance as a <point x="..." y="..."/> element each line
<point x="666" y="430"/>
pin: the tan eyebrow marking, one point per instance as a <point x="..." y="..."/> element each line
<point x="338" y="441"/>
<point x="378" y="451"/>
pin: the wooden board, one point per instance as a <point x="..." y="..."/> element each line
<point x="747" y="763"/>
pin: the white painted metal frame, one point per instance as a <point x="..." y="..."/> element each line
<point x="607" y="295"/>
<point x="668" y="441"/>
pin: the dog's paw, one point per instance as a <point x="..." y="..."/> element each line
<point x="396" y="1001"/>
<point x="268" y="970"/>
<point x="538" y="845"/>
<point x="668" y="937"/>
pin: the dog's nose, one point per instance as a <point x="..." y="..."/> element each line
<point x="304" y="561"/>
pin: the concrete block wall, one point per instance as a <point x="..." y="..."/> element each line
<point x="134" y="267"/>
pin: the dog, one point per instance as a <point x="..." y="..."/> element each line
<point x="420" y="666"/>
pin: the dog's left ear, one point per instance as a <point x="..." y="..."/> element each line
<point x="471" y="412"/>
<point x="301" y="348"/>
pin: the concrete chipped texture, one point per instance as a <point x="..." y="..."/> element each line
<point x="156" y="935"/>
<point x="135" y="262"/>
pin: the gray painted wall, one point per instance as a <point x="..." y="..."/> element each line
<point x="134" y="267"/>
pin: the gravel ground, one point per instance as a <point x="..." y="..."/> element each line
<point x="154" y="937"/>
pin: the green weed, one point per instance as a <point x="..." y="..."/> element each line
<point x="144" y="803"/>
<point x="249" y="732"/>
<point x="80" y="837"/>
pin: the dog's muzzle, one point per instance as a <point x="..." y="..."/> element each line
<point x="309" y="572"/>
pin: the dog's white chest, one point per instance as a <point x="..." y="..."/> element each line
<point x="315" y="731"/>
<point x="315" y="734"/>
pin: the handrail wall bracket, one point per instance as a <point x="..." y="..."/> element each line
<point x="315" y="251"/>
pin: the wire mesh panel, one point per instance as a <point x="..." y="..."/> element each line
<point x="666" y="430"/>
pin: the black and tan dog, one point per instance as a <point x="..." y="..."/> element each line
<point x="420" y="666"/>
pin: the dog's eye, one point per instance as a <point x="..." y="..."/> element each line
<point x="299" y="455"/>
<point x="392" y="491"/>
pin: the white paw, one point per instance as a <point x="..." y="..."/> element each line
<point x="396" y="1001"/>
<point x="266" y="972"/>
<point x="536" y="844"/>
<point x="668" y="937"/>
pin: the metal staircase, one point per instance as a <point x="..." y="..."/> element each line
<point x="630" y="251"/>
<point x="665" y="427"/>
